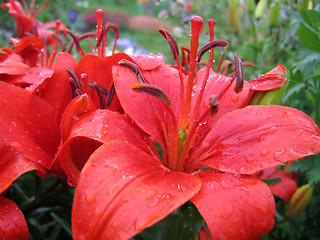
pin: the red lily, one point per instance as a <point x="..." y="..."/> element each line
<point x="26" y="20"/>
<point x="125" y="186"/>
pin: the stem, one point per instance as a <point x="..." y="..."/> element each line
<point x="255" y="36"/>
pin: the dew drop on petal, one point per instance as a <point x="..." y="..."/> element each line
<point x="264" y="152"/>
<point x="18" y="146"/>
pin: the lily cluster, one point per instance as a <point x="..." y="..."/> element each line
<point x="96" y="122"/>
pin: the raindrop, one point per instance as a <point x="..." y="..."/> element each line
<point x="264" y="152"/>
<point x="75" y="118"/>
<point x="90" y="199"/>
<point x="235" y="98"/>
<point x="18" y="146"/>
<point x="278" y="155"/>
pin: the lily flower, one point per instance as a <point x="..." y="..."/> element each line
<point x="26" y="19"/>
<point x="212" y="142"/>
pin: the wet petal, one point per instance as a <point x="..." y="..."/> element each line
<point x="28" y="125"/>
<point x="273" y="79"/>
<point x="122" y="190"/>
<point x="235" y="207"/>
<point x="89" y="131"/>
<point x="13" y="65"/>
<point x="149" y="112"/>
<point x="257" y="137"/>
<point x="286" y="187"/>
<point x="12" y="222"/>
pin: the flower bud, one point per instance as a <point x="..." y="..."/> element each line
<point x="299" y="201"/>
<point x="274" y="14"/>
<point x="268" y="97"/>
<point x="251" y="6"/>
<point x="262" y="4"/>
<point x="233" y="16"/>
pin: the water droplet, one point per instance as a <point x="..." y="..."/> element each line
<point x="264" y="152"/>
<point x="166" y="75"/>
<point x="90" y="199"/>
<point x="249" y="159"/>
<point x="278" y="155"/>
<point x="18" y="146"/>
<point x="262" y="206"/>
<point x="14" y="124"/>
<point x="75" y="118"/>
<point x="235" y="98"/>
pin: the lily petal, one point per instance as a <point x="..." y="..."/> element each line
<point x="89" y="131"/>
<point x="273" y="79"/>
<point x="12" y="222"/>
<point x="28" y="125"/>
<point x="235" y="207"/>
<point x="257" y="137"/>
<point x="123" y="190"/>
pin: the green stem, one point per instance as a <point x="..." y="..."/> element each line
<point x="255" y="36"/>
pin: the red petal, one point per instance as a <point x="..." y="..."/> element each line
<point x="13" y="65"/>
<point x="148" y="62"/>
<point x="12" y="165"/>
<point x="286" y="187"/>
<point x="257" y="137"/>
<point x="235" y="207"/>
<point x="123" y="190"/>
<point x="56" y="90"/>
<point x="35" y="76"/>
<point x="12" y="222"/>
<point x="28" y="125"/>
<point x="273" y="79"/>
<point x="149" y="112"/>
<point x="90" y="131"/>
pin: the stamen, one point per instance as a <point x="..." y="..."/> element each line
<point x="54" y="45"/>
<point x="134" y="68"/>
<point x="211" y="25"/>
<point x="31" y="8"/>
<point x="210" y="45"/>
<point x="196" y="29"/>
<point x="172" y="43"/>
<point x="153" y="90"/>
<point x="213" y="103"/>
<point x="100" y="91"/>
<point x="102" y="38"/>
<point x="99" y="16"/>
<point x="221" y="60"/>
<point x="239" y="74"/>
<point x="74" y="77"/>
<point x="112" y="91"/>
<point x="83" y="36"/>
<point x="63" y="44"/>
<point x="75" y="40"/>
<point x="35" y="29"/>
<point x="185" y="55"/>
<point x="225" y="66"/>
<point x="46" y="4"/>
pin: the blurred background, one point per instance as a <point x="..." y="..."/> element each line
<point x="265" y="32"/>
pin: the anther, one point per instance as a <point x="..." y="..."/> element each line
<point x="152" y="90"/>
<point x="213" y="103"/>
<point x="210" y="45"/>
<point x="239" y="73"/>
<point x="75" y="40"/>
<point x="112" y="91"/>
<point x="134" y="68"/>
<point x="74" y="77"/>
<point x="172" y="43"/>
<point x="185" y="55"/>
<point x="100" y="91"/>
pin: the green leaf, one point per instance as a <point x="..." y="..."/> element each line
<point x="182" y="224"/>
<point x="271" y="181"/>
<point x="309" y="38"/>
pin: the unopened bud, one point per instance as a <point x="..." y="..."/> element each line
<point x="299" y="201"/>
<point x="251" y="6"/>
<point x="274" y="14"/>
<point x="233" y="16"/>
<point x="262" y="4"/>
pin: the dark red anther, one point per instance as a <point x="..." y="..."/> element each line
<point x="134" y="68"/>
<point x="152" y="90"/>
<point x="210" y="45"/>
<point x="74" y="77"/>
<point x="112" y="92"/>
<point x="102" y="38"/>
<point x="213" y="103"/>
<point x="185" y="55"/>
<point x="101" y="91"/>
<point x="75" y="40"/>
<point x="239" y="73"/>
<point x="172" y="43"/>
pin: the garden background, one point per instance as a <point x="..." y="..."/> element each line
<point x="262" y="32"/>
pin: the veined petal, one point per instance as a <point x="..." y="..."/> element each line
<point x="89" y="131"/>
<point x="28" y="125"/>
<point x="273" y="79"/>
<point x="122" y="190"/>
<point x="149" y="112"/>
<point x="13" y="65"/>
<point x="12" y="222"/>
<point x="235" y="207"/>
<point x="257" y="137"/>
